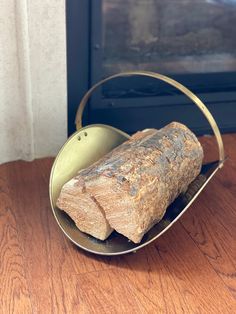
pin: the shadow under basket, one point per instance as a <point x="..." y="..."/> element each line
<point x="89" y="144"/>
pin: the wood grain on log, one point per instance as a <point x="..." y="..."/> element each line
<point x="134" y="184"/>
<point x="88" y="216"/>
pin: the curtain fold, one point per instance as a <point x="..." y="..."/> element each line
<point x="33" y="98"/>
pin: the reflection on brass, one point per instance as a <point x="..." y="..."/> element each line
<point x="88" y="144"/>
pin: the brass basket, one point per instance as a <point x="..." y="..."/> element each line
<point x="90" y="143"/>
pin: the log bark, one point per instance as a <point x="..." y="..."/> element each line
<point x="133" y="185"/>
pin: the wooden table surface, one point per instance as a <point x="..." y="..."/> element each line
<point x="190" y="269"/>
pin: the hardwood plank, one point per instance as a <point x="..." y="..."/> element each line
<point x="171" y="276"/>
<point x="190" y="269"/>
<point x="215" y="240"/>
<point x="211" y="222"/>
<point x="221" y="191"/>
<point x="46" y="250"/>
<point x="14" y="291"/>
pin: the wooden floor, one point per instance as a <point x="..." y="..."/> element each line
<point x="190" y="269"/>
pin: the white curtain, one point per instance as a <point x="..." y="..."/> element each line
<point x="33" y="100"/>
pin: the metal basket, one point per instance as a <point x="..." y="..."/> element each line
<point x="90" y="143"/>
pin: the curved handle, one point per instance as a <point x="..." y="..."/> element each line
<point x="168" y="80"/>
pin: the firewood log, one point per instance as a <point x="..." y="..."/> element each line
<point x="130" y="188"/>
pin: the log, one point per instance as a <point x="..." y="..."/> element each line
<point x="83" y="208"/>
<point x="134" y="184"/>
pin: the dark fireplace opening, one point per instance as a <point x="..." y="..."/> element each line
<point x="190" y="41"/>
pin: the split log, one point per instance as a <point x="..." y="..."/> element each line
<point x="133" y="185"/>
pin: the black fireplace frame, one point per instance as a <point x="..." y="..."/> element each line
<point x="83" y="28"/>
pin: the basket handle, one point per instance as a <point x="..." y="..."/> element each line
<point x="183" y="89"/>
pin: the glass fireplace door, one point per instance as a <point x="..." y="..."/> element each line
<point x="193" y="41"/>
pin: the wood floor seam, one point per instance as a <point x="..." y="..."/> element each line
<point x="189" y="269"/>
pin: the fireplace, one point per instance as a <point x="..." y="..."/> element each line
<point x="190" y="41"/>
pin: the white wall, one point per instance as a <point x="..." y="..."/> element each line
<point x="33" y="100"/>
